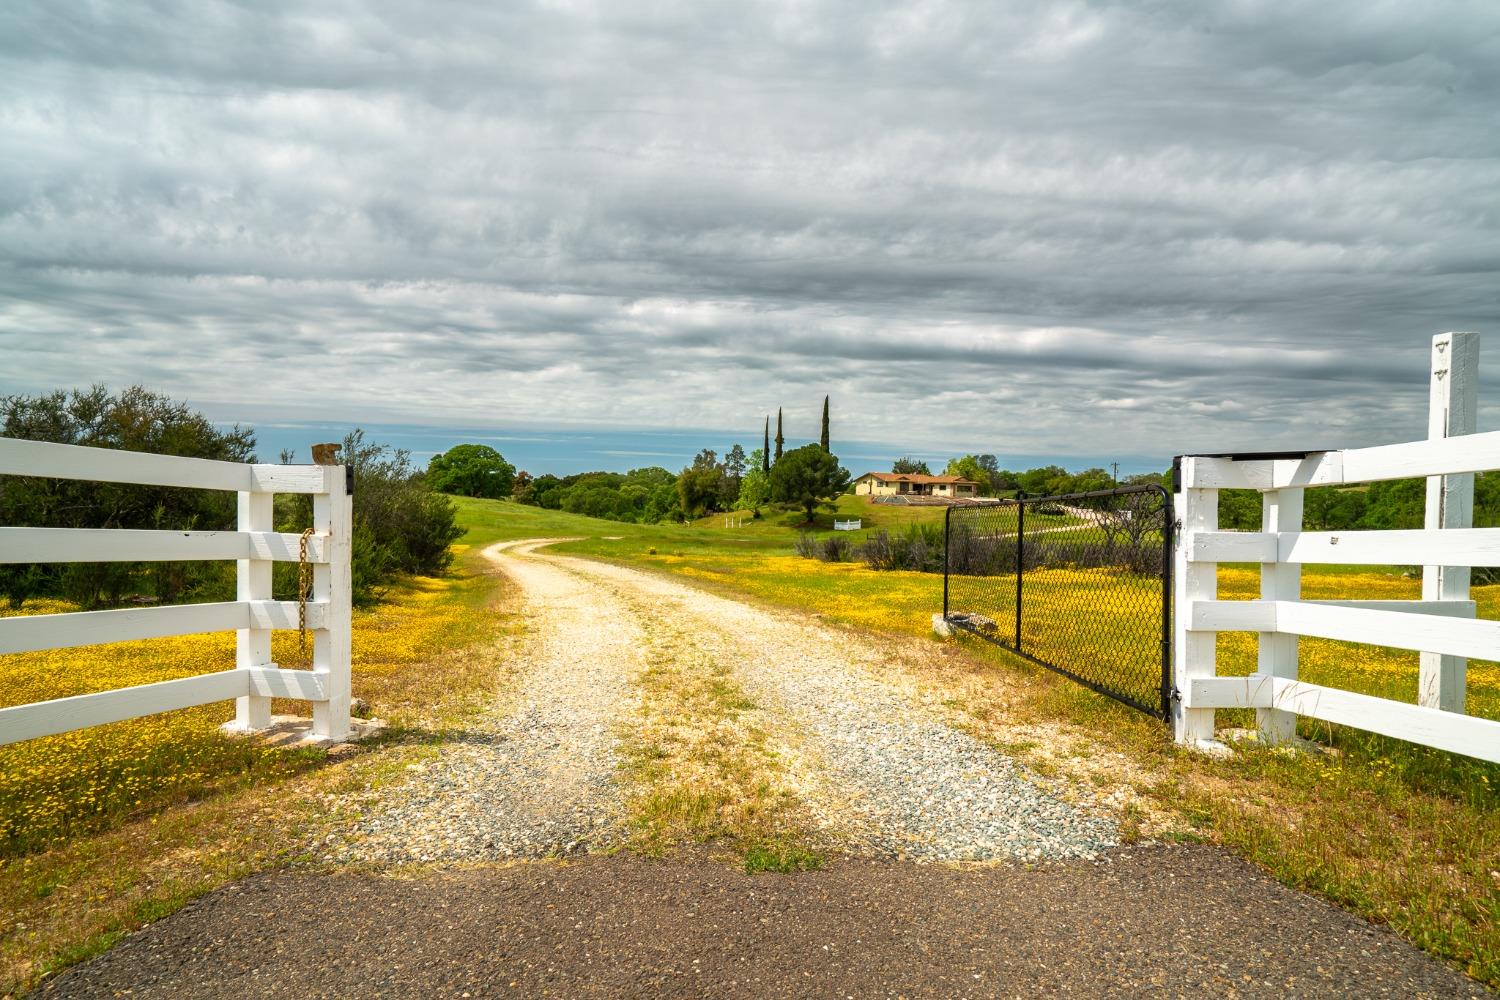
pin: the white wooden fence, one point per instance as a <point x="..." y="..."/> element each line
<point x="853" y="524"/>
<point x="1442" y="625"/>
<point x="255" y="679"/>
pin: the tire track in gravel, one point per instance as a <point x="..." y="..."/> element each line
<point x="876" y="770"/>
<point x="535" y="777"/>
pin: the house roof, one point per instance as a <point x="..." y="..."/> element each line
<point x="914" y="477"/>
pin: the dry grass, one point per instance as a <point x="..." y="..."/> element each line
<point x="96" y="868"/>
<point x="1401" y="834"/>
<point x="1369" y="831"/>
<point x="701" y="767"/>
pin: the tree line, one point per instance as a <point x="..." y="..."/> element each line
<point x="808" y="477"/>
<point x="401" y="525"/>
<point x="1046" y="480"/>
<point x="1395" y="504"/>
<point x="805" y="478"/>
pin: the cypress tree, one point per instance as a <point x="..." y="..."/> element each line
<point x="779" y="439"/>
<point x="765" y="453"/>
<point x="824" y="439"/>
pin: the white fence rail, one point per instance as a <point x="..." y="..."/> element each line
<point x="1442" y="626"/>
<point x="255" y="678"/>
<point x="852" y="524"/>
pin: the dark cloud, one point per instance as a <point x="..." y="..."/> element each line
<point x="1070" y="227"/>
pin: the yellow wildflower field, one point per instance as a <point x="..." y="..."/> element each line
<point x="904" y="602"/>
<point x="62" y="785"/>
<point x="1366" y="669"/>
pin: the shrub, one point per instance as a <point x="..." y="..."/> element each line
<point x="877" y="551"/>
<point x="806" y="545"/>
<point x="918" y="549"/>
<point x="835" y="548"/>
<point x="829" y="548"/>
<point x="973" y="554"/>
<point x="400" y="525"/>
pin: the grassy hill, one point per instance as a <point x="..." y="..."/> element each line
<point x="874" y="516"/>
<point x="495" y="520"/>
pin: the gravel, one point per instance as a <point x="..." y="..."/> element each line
<point x="877" y="772"/>
<point x="883" y="771"/>
<point x="535" y="778"/>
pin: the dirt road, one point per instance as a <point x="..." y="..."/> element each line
<point x="856" y="762"/>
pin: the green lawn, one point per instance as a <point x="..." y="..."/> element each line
<point x="892" y="517"/>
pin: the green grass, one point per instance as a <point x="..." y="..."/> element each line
<point x="874" y="516"/>
<point x="759" y="561"/>
<point x="782" y="860"/>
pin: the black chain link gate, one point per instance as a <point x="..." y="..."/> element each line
<point x="1080" y="584"/>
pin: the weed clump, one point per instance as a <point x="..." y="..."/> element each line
<point x="781" y="860"/>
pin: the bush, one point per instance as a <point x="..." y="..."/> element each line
<point x="835" y="548"/>
<point x="918" y="549"/>
<point x="400" y="525"/>
<point x="828" y="548"/>
<point x="644" y="496"/>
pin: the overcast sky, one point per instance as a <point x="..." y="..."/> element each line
<point x="1074" y="228"/>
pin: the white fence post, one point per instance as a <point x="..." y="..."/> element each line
<point x="253" y="583"/>
<point x="1281" y="510"/>
<point x="333" y="517"/>
<point x="1453" y="409"/>
<point x="1196" y="654"/>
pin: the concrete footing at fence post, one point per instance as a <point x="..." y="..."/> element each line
<point x="1210" y="748"/>
<point x="297" y="730"/>
<point x="1290" y="745"/>
<point x="941" y="627"/>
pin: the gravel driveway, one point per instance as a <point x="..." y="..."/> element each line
<point x="535" y="778"/>
<point x="878" y="774"/>
<point x="878" y="770"/>
<point x="881" y="772"/>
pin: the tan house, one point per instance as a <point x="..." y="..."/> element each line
<point x="890" y="484"/>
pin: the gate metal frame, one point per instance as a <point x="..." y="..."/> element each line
<point x="1163" y="709"/>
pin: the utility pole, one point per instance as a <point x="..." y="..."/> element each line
<point x="1116" y="466"/>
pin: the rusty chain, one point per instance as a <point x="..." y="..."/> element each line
<point x="304" y="583"/>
